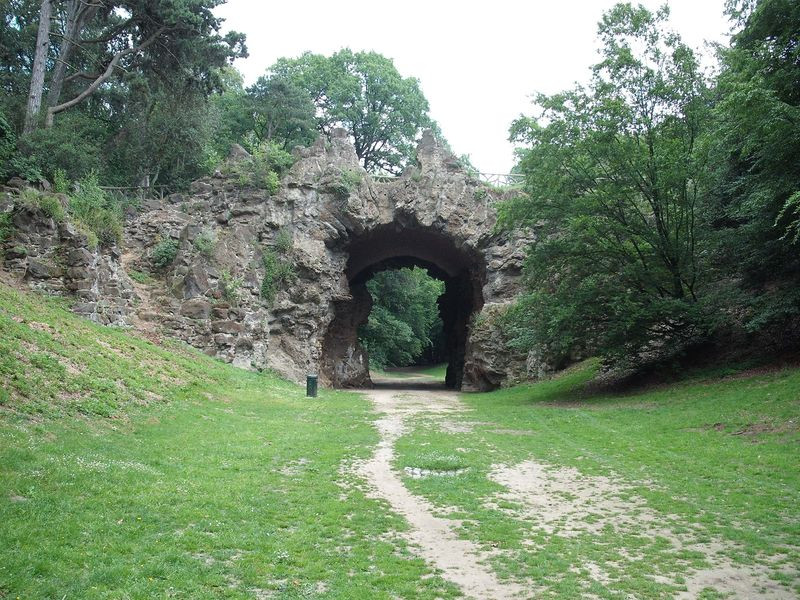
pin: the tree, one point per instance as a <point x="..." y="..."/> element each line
<point x="282" y="112"/>
<point x="363" y="93"/>
<point x="404" y="320"/>
<point x="613" y="180"/>
<point x="756" y="144"/>
<point x="100" y="40"/>
<point x="37" y="71"/>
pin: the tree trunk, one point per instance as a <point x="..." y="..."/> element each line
<point x="77" y="14"/>
<point x="39" y="64"/>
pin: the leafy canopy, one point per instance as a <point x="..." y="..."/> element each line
<point x="404" y="320"/>
<point x="363" y="93"/>
<point x="613" y="179"/>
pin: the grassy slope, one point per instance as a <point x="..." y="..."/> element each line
<point x="129" y="470"/>
<point x="690" y="449"/>
<point x="133" y="471"/>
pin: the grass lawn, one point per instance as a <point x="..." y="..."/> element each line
<point x="714" y="460"/>
<point x="433" y="372"/>
<point x="134" y="470"/>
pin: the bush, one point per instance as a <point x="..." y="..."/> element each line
<point x="348" y="181"/>
<point x="164" y="252"/>
<point x="60" y="182"/>
<point x="283" y="241"/>
<point x="204" y="243"/>
<point x="268" y="161"/>
<point x="229" y="286"/>
<point x="6" y="227"/>
<point x="49" y="204"/>
<point x="92" y="208"/>
<point x="277" y="272"/>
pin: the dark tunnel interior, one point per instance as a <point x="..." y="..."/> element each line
<point x="394" y="247"/>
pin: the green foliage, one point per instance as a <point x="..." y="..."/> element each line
<point x="92" y="208"/>
<point x="163" y="253"/>
<point x="8" y="146"/>
<point x="268" y="161"/>
<point x="140" y="277"/>
<point x="282" y="112"/>
<point x="149" y="120"/>
<point x="6" y="227"/>
<point x="12" y="162"/>
<point x="49" y="204"/>
<point x="363" y="93"/>
<point x="60" y="182"/>
<point x="348" y="181"/>
<point x="70" y="146"/>
<point x="278" y="272"/>
<point x="283" y="241"/>
<point x="755" y="147"/>
<point x="229" y="286"/>
<point x="404" y="321"/>
<point x="613" y="181"/>
<point x="205" y="243"/>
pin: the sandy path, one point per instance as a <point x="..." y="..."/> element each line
<point x="434" y="538"/>
<point x="556" y="500"/>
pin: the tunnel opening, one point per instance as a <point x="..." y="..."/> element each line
<point x="404" y="335"/>
<point x="345" y="361"/>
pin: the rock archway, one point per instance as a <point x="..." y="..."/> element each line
<point x="394" y="246"/>
<point x="342" y="225"/>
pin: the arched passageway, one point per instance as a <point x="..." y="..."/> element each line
<point x="394" y="246"/>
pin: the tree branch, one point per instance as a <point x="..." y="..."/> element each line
<point x="52" y="111"/>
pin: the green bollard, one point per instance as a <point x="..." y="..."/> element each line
<point x="311" y="386"/>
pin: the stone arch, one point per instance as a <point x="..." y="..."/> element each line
<point x="391" y="246"/>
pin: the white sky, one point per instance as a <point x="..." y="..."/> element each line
<point x="478" y="63"/>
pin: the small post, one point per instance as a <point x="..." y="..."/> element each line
<point x="311" y="386"/>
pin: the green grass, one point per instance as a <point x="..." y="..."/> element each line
<point x="688" y="450"/>
<point x="434" y="372"/>
<point x="139" y="471"/>
<point x="130" y="470"/>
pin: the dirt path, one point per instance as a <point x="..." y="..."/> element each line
<point x="557" y="500"/>
<point x="434" y="538"/>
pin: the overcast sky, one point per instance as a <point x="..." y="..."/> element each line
<point x="477" y="62"/>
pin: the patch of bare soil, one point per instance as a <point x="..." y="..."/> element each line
<point x="561" y="501"/>
<point x="434" y="538"/>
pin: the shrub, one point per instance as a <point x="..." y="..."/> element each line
<point x="60" y="182"/>
<point x="204" y="243"/>
<point x="6" y="227"/>
<point x="91" y="207"/>
<point x="348" y="181"/>
<point x="283" y="241"/>
<point x="277" y="272"/>
<point x="268" y="161"/>
<point x="50" y="205"/>
<point x="164" y="252"/>
<point x="139" y="277"/>
<point x="229" y="286"/>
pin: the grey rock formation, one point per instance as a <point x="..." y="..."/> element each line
<point x="342" y="226"/>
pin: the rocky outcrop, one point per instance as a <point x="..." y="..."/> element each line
<point x="331" y="226"/>
<point x="56" y="258"/>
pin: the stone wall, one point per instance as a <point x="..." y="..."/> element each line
<point x="343" y="226"/>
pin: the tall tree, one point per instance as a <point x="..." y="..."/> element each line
<point x="756" y="148"/>
<point x="363" y="93"/>
<point x="613" y="181"/>
<point x="34" y="105"/>
<point x="282" y="112"/>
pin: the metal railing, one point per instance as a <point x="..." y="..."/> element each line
<point x="495" y="179"/>
<point x="139" y="191"/>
